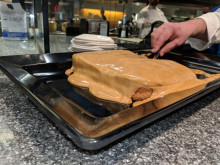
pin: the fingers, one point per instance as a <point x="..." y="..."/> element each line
<point x="161" y="35"/>
<point x="169" y="46"/>
<point x="154" y="37"/>
<point x="156" y="33"/>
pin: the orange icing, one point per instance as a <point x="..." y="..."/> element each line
<point x="117" y="74"/>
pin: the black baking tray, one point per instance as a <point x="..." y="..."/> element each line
<point x="89" y="122"/>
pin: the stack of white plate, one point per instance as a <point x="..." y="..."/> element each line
<point x="91" y="42"/>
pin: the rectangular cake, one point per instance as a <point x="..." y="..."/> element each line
<point x="125" y="77"/>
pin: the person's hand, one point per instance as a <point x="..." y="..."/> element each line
<point x="175" y="33"/>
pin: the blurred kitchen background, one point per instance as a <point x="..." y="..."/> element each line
<point x="52" y="24"/>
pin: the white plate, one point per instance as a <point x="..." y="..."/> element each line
<point x="80" y="48"/>
<point x="82" y="42"/>
<point x="103" y="46"/>
<point x="91" y="43"/>
<point x="93" y="37"/>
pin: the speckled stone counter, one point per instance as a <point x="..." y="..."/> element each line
<point x="190" y="135"/>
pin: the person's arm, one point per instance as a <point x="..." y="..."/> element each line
<point x="213" y="31"/>
<point x="177" y="33"/>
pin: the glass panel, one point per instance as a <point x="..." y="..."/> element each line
<point x="69" y="18"/>
<point x="38" y="6"/>
<point x="63" y="16"/>
<point x="18" y="28"/>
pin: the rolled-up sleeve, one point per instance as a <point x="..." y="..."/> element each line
<point x="212" y="21"/>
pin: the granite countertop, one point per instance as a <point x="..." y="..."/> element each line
<point x="191" y="135"/>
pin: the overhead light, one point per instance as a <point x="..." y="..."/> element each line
<point x="137" y="3"/>
<point x="32" y="16"/>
